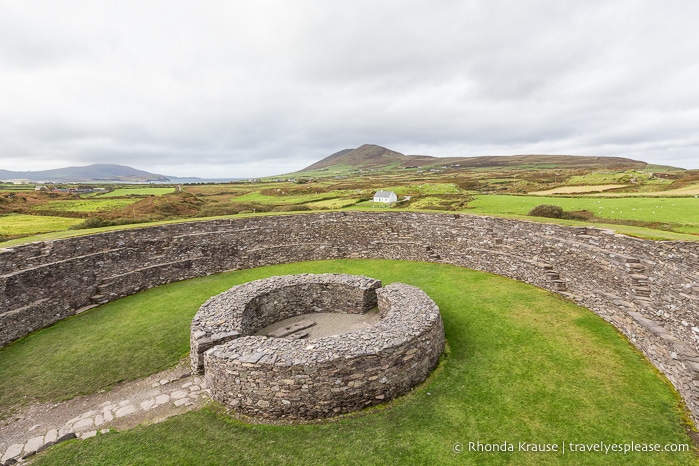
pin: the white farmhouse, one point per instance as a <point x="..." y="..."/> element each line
<point x="385" y="196"/>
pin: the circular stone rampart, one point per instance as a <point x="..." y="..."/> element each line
<point x="649" y="290"/>
<point x="279" y="378"/>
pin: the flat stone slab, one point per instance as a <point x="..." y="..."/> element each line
<point x="252" y="358"/>
<point x="176" y="395"/>
<point x="291" y="329"/>
<point x="300" y="335"/>
<point x="147" y="404"/>
<point x="51" y="436"/>
<point x="125" y="410"/>
<point x="83" y="424"/>
<point x="33" y="444"/>
<point x="12" y="452"/>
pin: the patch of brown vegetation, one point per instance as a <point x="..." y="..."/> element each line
<point x="160" y="207"/>
<point x="688" y="178"/>
<point x="30" y="202"/>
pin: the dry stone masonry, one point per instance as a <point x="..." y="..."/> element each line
<point x="156" y="397"/>
<point x="649" y="290"/>
<point x="282" y="378"/>
<point x="247" y="308"/>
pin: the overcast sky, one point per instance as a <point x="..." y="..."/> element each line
<point x="239" y="88"/>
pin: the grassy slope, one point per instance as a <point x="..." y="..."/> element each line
<point x="522" y="365"/>
<point x="683" y="211"/>
<point x="19" y="224"/>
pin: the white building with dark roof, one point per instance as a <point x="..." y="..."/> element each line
<point x="385" y="196"/>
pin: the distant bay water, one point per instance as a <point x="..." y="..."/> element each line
<point x="177" y="180"/>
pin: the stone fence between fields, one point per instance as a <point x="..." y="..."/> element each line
<point x="648" y="290"/>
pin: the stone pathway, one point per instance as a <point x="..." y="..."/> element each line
<point x="142" y="401"/>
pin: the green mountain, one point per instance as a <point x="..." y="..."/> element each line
<point x="89" y="173"/>
<point x="372" y="157"/>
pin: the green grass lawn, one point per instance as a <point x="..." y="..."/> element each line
<point x="522" y="365"/>
<point x="287" y="198"/>
<point x="612" y="177"/>
<point x="425" y="189"/>
<point x="20" y="224"/>
<point x="87" y="205"/>
<point x="333" y="203"/>
<point x="137" y="191"/>
<point x="679" y="211"/>
<point x="16" y="187"/>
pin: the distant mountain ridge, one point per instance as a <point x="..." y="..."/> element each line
<point x="89" y="173"/>
<point x="370" y="156"/>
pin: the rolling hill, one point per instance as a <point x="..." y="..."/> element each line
<point x="89" y="173"/>
<point x="375" y="157"/>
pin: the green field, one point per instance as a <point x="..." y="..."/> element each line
<point x="424" y="189"/>
<point x="662" y="200"/>
<point x="332" y="204"/>
<point x="686" y="191"/>
<point x="86" y="205"/>
<point x="284" y="198"/>
<point x="616" y="177"/>
<point x="23" y="225"/>
<point x="522" y="365"/>
<point x="683" y="212"/>
<point x="137" y="191"/>
<point x="16" y="187"/>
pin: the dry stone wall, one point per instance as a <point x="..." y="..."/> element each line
<point x="248" y="308"/>
<point x="279" y="378"/>
<point x="648" y="290"/>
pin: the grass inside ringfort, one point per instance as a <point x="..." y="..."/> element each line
<point x="522" y="365"/>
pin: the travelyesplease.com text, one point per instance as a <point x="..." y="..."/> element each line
<point x="569" y="447"/>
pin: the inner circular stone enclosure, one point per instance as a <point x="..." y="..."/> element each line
<point x="286" y="377"/>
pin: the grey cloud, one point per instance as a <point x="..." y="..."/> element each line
<point x="256" y="86"/>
